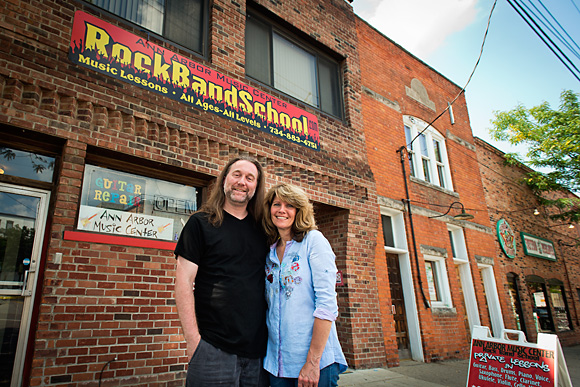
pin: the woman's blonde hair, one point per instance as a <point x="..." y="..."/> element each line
<point x="290" y="194"/>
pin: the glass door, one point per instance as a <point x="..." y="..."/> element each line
<point x="22" y="223"/>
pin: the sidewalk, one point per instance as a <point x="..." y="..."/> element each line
<point x="450" y="373"/>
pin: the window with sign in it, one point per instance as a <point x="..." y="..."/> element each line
<point x="181" y="21"/>
<point x="437" y="282"/>
<point x="427" y="152"/>
<point x="280" y="59"/>
<point x="128" y="205"/>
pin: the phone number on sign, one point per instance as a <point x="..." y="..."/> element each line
<point x="293" y="137"/>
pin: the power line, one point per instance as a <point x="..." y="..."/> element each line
<point x="468" y="80"/>
<point x="544" y="20"/>
<point x="562" y="28"/>
<point x="543" y="36"/>
<point x="575" y="6"/>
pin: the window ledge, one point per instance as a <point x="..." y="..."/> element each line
<point x="435" y="187"/>
<point x="91" y="237"/>
<point x="443" y="311"/>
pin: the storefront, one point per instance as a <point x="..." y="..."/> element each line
<point x="125" y="122"/>
<point x="537" y="255"/>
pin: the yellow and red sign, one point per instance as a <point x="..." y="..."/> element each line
<point x="113" y="51"/>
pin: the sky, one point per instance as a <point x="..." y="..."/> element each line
<point x="516" y="66"/>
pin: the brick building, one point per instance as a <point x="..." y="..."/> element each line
<point x="114" y="123"/>
<point x="436" y="272"/>
<point x="539" y="256"/>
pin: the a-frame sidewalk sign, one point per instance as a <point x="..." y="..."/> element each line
<point x="514" y="362"/>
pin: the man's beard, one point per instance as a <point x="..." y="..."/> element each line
<point x="233" y="195"/>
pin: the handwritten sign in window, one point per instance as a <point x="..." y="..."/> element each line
<point x="124" y="204"/>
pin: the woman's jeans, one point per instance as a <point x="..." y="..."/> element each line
<point x="328" y="378"/>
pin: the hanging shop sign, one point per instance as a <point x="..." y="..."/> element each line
<point x="538" y="247"/>
<point x="507" y="238"/>
<point x="115" y="52"/>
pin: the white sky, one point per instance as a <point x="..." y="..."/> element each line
<point x="516" y="66"/>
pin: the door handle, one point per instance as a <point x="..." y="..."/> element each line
<point x="25" y="291"/>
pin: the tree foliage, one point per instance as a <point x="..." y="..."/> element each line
<point x="552" y="138"/>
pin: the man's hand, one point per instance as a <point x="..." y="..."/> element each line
<point x="192" y="345"/>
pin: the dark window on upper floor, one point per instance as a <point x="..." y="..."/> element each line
<point x="181" y="21"/>
<point x="280" y="60"/>
<point x="388" y="234"/>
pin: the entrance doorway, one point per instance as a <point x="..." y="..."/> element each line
<point x="398" y="306"/>
<point x="22" y="223"/>
<point x="512" y="280"/>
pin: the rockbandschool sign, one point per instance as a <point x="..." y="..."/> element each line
<point x="113" y="51"/>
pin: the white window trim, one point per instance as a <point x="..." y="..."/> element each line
<point x="465" y="276"/>
<point x="402" y="250"/>
<point x="442" y="282"/>
<point x="459" y="244"/>
<point x="492" y="296"/>
<point x="416" y="125"/>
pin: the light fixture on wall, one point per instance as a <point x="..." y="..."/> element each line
<point x="536" y="212"/>
<point x="462" y="216"/>
<point x="571" y="225"/>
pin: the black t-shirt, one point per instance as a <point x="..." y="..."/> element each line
<point x="230" y="305"/>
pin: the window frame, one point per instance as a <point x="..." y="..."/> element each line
<point x="135" y="200"/>
<point x="557" y="285"/>
<point x="413" y="127"/>
<point x="441" y="282"/>
<point x="398" y="230"/>
<point x="319" y="55"/>
<point x="161" y="36"/>
<point x="458" y="245"/>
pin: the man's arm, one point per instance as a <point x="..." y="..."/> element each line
<point x="184" y="280"/>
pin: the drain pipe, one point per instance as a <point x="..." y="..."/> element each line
<point x="407" y="201"/>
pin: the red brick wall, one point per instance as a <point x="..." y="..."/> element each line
<point x="510" y="199"/>
<point x="386" y="71"/>
<point x="105" y="301"/>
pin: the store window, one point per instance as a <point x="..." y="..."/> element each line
<point x="428" y="154"/>
<point x="437" y="282"/>
<point x="562" y="317"/>
<point x="515" y="302"/>
<point x="540" y="304"/>
<point x="287" y="63"/>
<point x="183" y="22"/>
<point x="27" y="165"/>
<point x="123" y="204"/>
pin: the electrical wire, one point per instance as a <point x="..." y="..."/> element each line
<point x="468" y="80"/>
<point x="575" y="6"/>
<point x="549" y="26"/>
<point x="522" y="5"/>
<point x="543" y="36"/>
<point x="563" y="29"/>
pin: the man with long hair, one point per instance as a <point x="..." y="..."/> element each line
<point x="219" y="285"/>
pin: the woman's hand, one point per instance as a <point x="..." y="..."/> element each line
<point x="310" y="373"/>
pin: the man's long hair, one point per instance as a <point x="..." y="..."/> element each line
<point x="214" y="206"/>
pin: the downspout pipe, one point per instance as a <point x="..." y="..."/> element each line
<point x="407" y="201"/>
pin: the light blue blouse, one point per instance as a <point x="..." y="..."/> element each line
<point x="297" y="291"/>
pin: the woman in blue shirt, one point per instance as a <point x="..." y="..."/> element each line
<point x="303" y="347"/>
